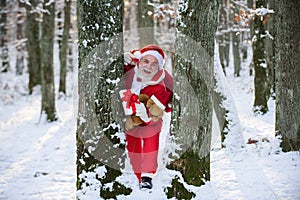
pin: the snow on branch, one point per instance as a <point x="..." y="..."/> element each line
<point x="262" y="11"/>
<point x="26" y="2"/>
<point x="245" y="16"/>
<point x="49" y="2"/>
<point x="258" y="11"/>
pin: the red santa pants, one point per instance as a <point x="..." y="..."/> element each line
<point x="142" y="146"/>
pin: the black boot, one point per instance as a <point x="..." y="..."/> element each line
<point x="146" y="183"/>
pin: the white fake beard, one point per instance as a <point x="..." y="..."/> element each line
<point x="144" y="78"/>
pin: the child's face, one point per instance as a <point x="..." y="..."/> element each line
<point x="148" y="66"/>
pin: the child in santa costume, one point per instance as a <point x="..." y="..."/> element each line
<point x="144" y="74"/>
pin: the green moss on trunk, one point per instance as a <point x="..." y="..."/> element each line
<point x="178" y="190"/>
<point x="193" y="169"/>
<point x="117" y="189"/>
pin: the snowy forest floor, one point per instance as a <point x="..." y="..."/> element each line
<point x="38" y="159"/>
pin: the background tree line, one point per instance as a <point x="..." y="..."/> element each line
<point x="31" y="28"/>
<point x="263" y="24"/>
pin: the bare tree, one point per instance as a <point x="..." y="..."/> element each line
<point x="261" y="89"/>
<point x="223" y="34"/>
<point x="145" y="23"/>
<point x="100" y="60"/>
<point x="235" y="35"/>
<point x="20" y="42"/>
<point x="192" y="120"/>
<point x="287" y="49"/>
<point x="32" y="33"/>
<point x="64" y="47"/>
<point x="270" y="48"/>
<point x="3" y="36"/>
<point x="47" y="68"/>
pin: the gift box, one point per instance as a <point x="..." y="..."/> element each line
<point x="129" y="100"/>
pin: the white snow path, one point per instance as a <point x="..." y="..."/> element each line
<point x="250" y="171"/>
<point x="34" y="163"/>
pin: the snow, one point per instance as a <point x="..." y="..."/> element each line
<point x="38" y="159"/>
<point x="263" y="11"/>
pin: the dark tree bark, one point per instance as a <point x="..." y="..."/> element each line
<point x="223" y="41"/>
<point x="223" y="35"/>
<point x="287" y="49"/>
<point x="47" y="68"/>
<point x="236" y="53"/>
<point x="100" y="60"/>
<point x="3" y="37"/>
<point x="250" y="5"/>
<point x="63" y="54"/>
<point x="235" y="36"/>
<point x="145" y="23"/>
<point x="192" y="112"/>
<point x="20" y="44"/>
<point x="59" y="27"/>
<point x="270" y="49"/>
<point x="261" y="89"/>
<point x="32" y="33"/>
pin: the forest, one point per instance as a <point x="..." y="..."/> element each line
<point x="235" y="121"/>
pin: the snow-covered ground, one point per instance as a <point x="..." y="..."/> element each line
<point x="38" y="159"/>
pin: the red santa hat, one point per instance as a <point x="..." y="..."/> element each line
<point x="161" y="99"/>
<point x="153" y="50"/>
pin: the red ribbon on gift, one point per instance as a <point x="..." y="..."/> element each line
<point x="131" y="99"/>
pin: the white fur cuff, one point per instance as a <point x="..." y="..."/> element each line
<point x="158" y="103"/>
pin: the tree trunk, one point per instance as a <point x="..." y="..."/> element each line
<point x="20" y="44"/>
<point x="261" y="89"/>
<point x="32" y="33"/>
<point x="64" y="47"/>
<point x="223" y="36"/>
<point x="224" y="51"/>
<point x="3" y="42"/>
<point x="47" y="68"/>
<point x="235" y="38"/>
<point x="145" y="23"/>
<point x="270" y="49"/>
<point x="100" y="68"/>
<point x="236" y="52"/>
<point x="250" y="5"/>
<point x="192" y="111"/>
<point x="287" y="74"/>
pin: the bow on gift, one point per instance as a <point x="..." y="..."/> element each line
<point x="131" y="99"/>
